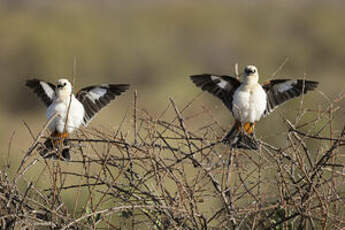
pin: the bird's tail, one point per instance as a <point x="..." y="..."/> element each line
<point x="52" y="146"/>
<point x="241" y="138"/>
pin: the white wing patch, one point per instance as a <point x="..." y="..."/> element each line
<point x="286" y="86"/>
<point x="95" y="93"/>
<point x="47" y="89"/>
<point x="222" y="84"/>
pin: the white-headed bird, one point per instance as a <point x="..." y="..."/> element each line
<point x="249" y="101"/>
<point x="71" y="111"/>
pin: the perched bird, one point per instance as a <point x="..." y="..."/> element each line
<point x="249" y="101"/>
<point x="72" y="110"/>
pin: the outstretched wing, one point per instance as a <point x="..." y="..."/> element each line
<point x="279" y="91"/>
<point x="94" y="98"/>
<point x="222" y="87"/>
<point x="44" y="90"/>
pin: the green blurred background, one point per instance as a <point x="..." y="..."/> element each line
<point x="155" y="46"/>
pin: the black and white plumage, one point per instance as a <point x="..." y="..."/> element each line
<point x="222" y="87"/>
<point x="44" y="90"/>
<point x="249" y="101"/>
<point x="280" y="90"/>
<point x="96" y="97"/>
<point x="81" y="108"/>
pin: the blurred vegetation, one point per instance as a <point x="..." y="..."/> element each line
<point x="155" y="46"/>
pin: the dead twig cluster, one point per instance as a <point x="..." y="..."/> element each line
<point x="174" y="175"/>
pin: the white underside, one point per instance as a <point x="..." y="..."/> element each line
<point x="75" y="117"/>
<point x="249" y="103"/>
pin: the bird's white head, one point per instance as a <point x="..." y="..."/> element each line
<point x="63" y="88"/>
<point x="251" y="74"/>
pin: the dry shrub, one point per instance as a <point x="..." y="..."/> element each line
<point x="175" y="177"/>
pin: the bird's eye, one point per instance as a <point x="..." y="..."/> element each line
<point x="253" y="70"/>
<point x="64" y="84"/>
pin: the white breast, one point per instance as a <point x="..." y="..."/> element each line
<point x="75" y="116"/>
<point x="249" y="103"/>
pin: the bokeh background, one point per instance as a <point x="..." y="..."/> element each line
<point x="154" y="46"/>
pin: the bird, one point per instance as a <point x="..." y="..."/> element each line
<point x="67" y="111"/>
<point x="249" y="101"/>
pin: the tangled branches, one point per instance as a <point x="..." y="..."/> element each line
<point x="175" y="176"/>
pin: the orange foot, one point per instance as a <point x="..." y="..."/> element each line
<point x="249" y="127"/>
<point x="62" y="135"/>
<point x="58" y="138"/>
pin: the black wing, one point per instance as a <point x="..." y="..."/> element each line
<point x="279" y="91"/>
<point x="94" y="98"/>
<point x="220" y="86"/>
<point x="44" y="90"/>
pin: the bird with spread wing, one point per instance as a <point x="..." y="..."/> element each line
<point x="68" y="111"/>
<point x="249" y="101"/>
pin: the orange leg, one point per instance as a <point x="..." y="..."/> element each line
<point x="249" y="127"/>
<point x="63" y="135"/>
<point x="58" y="138"/>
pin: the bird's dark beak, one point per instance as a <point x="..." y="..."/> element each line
<point x="60" y="86"/>
<point x="249" y="71"/>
